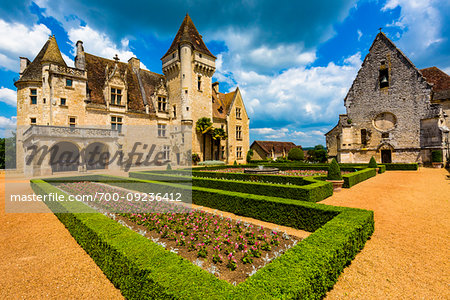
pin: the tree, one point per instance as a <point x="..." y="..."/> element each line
<point x="204" y="126"/>
<point x="217" y="135"/>
<point x="319" y="154"/>
<point x="296" y="154"/>
<point x="334" y="171"/>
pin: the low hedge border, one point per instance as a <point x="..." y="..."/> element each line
<point x="357" y="177"/>
<point x="143" y="270"/>
<point x="404" y="167"/>
<point x="311" y="190"/>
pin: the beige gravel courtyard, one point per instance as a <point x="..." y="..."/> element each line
<point x="406" y="258"/>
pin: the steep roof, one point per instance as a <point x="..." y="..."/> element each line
<point x="49" y="53"/>
<point x="222" y="103"/>
<point x="188" y="33"/>
<point x="277" y="147"/>
<point x="147" y="85"/>
<point x="440" y="81"/>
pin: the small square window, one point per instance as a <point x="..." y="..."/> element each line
<point x="116" y="123"/>
<point x="69" y="82"/>
<point x="63" y="101"/>
<point x="33" y="121"/>
<point x="72" y="121"/>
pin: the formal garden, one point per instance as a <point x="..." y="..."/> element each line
<point x="167" y="248"/>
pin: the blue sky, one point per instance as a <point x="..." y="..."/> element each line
<point x="292" y="60"/>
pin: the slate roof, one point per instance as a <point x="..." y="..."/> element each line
<point x="96" y="76"/>
<point x="268" y="146"/>
<point x="222" y="103"/>
<point x="440" y="81"/>
<point x="188" y="33"/>
<point x="49" y="53"/>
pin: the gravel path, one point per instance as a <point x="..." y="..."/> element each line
<point x="408" y="254"/>
<point x="40" y="259"/>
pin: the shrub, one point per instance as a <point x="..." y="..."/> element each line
<point x="357" y="177"/>
<point x="249" y="155"/>
<point x="372" y="163"/>
<point x="169" y="167"/>
<point x="436" y="156"/>
<point x="195" y="158"/>
<point x="399" y="166"/>
<point x="334" y="172"/>
<point x="235" y="163"/>
<point x="296" y="154"/>
<point x="311" y="191"/>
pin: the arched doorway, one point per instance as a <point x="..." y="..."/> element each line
<point x="64" y="157"/>
<point x="386" y="153"/>
<point x="96" y="156"/>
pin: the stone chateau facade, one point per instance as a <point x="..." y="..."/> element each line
<point x="395" y="112"/>
<point x="110" y="105"/>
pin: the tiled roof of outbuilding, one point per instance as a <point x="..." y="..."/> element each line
<point x="277" y="147"/>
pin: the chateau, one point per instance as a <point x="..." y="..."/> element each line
<point x="395" y="112"/>
<point x="110" y="105"/>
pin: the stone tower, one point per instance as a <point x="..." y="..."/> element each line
<point x="189" y="66"/>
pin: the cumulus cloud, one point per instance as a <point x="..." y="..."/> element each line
<point x="7" y="125"/>
<point x="423" y="32"/>
<point x="8" y="96"/>
<point x="100" y="44"/>
<point x="17" y="40"/>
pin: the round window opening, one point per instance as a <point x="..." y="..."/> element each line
<point x="385" y="121"/>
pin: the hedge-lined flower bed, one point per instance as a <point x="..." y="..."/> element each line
<point x="142" y="269"/>
<point x="231" y="250"/>
<point x="310" y="190"/>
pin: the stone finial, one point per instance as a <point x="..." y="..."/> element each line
<point x="116" y="58"/>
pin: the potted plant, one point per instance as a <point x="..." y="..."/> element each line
<point x="436" y="158"/>
<point x="334" y="176"/>
<point x="373" y="164"/>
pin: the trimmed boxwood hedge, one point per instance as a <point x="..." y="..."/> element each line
<point x="311" y="190"/>
<point x="405" y="167"/>
<point x="143" y="270"/>
<point x="357" y="177"/>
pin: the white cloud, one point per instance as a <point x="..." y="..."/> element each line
<point x="360" y="34"/>
<point x="68" y="60"/>
<point x="420" y="23"/>
<point x="7" y="125"/>
<point x="100" y="44"/>
<point x="8" y="96"/>
<point x="19" y="40"/>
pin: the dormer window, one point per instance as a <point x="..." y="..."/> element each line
<point x="384" y="78"/>
<point x="162" y="103"/>
<point x="116" y="96"/>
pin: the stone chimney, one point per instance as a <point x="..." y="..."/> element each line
<point x="135" y="64"/>
<point x="24" y="62"/>
<point x="215" y="86"/>
<point x="80" y="60"/>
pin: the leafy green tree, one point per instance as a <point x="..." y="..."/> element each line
<point x="334" y="171"/>
<point x="217" y="135"/>
<point x="204" y="126"/>
<point x="319" y="154"/>
<point x="296" y="154"/>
